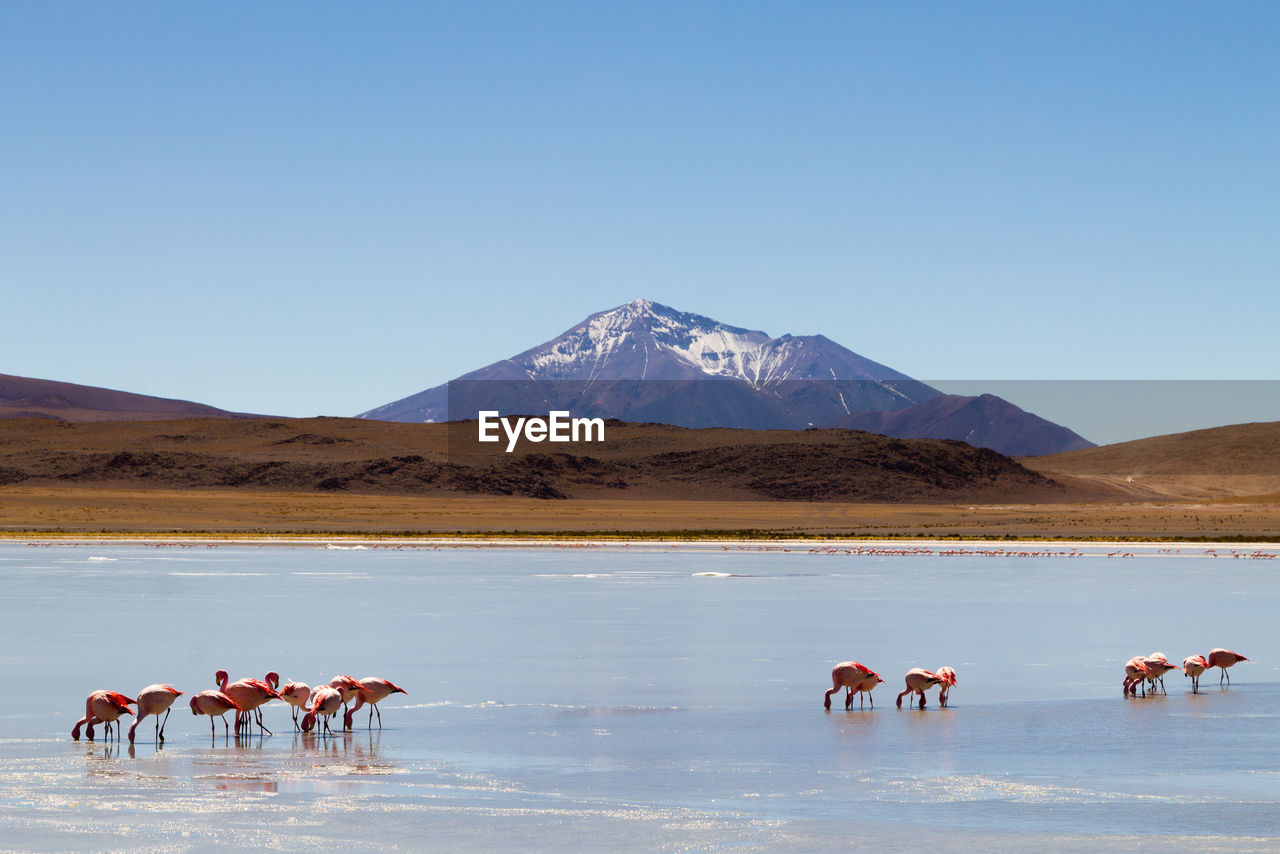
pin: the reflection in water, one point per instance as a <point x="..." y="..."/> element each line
<point x="99" y="751"/>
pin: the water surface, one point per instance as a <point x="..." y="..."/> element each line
<point x="647" y="697"/>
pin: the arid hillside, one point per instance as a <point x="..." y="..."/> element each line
<point x="1234" y="462"/>
<point x="636" y="460"/>
<point x="348" y="475"/>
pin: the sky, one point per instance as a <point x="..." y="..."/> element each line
<point x="316" y="209"/>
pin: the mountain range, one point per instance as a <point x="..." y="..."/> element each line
<point x="646" y="362"/>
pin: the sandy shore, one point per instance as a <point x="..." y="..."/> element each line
<point x="27" y="510"/>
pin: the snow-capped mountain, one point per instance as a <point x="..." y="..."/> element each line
<point x="643" y="340"/>
<point x="646" y="362"/>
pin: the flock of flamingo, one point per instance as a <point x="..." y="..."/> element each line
<point x="857" y="678"/>
<point x="245" y="697"/>
<point x="1147" y="670"/>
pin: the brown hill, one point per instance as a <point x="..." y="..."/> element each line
<point x="1221" y="462"/>
<point x="23" y="397"/>
<point x="637" y="461"/>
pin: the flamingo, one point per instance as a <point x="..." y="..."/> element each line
<point x="918" y="681"/>
<point x="214" y="704"/>
<point x="1135" y="671"/>
<point x="102" y="707"/>
<point x="249" y="694"/>
<point x="1193" y="666"/>
<point x="948" y="677"/>
<point x="296" y="695"/>
<point x="348" y="688"/>
<point x="1224" y="658"/>
<point x="1159" y="666"/>
<point x="866" y="686"/>
<point x="325" y="701"/>
<point x="373" y="690"/>
<point x="856" y="678"/>
<point x="152" y="700"/>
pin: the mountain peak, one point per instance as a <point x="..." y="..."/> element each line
<point x="645" y="341"/>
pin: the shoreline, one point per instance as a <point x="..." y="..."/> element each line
<point x="1030" y="547"/>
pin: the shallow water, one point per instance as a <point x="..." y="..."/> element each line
<point x="646" y="697"/>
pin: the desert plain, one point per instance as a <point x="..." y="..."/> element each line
<point x="352" y="477"/>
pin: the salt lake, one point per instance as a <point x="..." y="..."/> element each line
<point x="648" y="697"/>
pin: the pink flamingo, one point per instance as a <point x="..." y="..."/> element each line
<point x="948" y="677"/>
<point x="102" y="707"/>
<point x="855" y="678"/>
<point x="324" y="703"/>
<point x="1224" y="658"/>
<point x="1135" y="672"/>
<point x="373" y="690"/>
<point x="214" y="704"/>
<point x="348" y="687"/>
<point x="918" y="681"/>
<point x="249" y="694"/>
<point x="1159" y="666"/>
<point x="1193" y="666"/>
<point x="152" y="700"/>
<point x="296" y="695"/>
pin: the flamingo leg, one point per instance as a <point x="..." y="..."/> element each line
<point x="921" y="699"/>
<point x="165" y="721"/>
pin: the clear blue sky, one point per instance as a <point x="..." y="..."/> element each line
<point x="311" y="208"/>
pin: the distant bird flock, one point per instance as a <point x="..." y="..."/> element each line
<point x="1140" y="672"/>
<point x="245" y="697"/>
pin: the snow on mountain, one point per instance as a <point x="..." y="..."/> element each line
<point x="646" y="361"/>
<point x="644" y="340"/>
